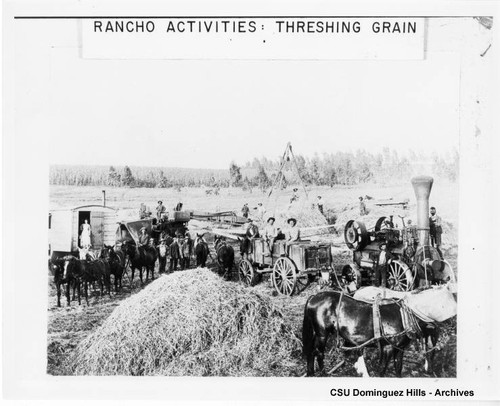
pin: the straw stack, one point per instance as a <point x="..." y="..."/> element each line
<point x="191" y="323"/>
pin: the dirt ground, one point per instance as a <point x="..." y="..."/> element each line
<point x="67" y="326"/>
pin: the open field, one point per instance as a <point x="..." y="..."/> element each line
<point x="68" y="326"/>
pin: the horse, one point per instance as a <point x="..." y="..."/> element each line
<point x="224" y="255"/>
<point x="141" y="257"/>
<point x="397" y="324"/>
<point x="56" y="268"/>
<point x="88" y="272"/>
<point x="201" y="251"/>
<point x="114" y="262"/>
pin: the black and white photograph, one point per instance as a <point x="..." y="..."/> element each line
<point x="238" y="193"/>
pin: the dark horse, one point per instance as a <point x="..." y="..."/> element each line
<point x="57" y="268"/>
<point x="87" y="272"/>
<point x="353" y="321"/>
<point x="225" y="256"/>
<point x="115" y="263"/>
<point x="201" y="251"/>
<point x="141" y="257"/>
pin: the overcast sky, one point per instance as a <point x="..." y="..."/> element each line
<point x="208" y="113"/>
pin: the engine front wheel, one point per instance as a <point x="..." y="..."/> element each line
<point x="399" y="276"/>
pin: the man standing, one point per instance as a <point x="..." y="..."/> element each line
<point x="260" y="211"/>
<point x="186" y="252"/>
<point x="162" y="252"/>
<point x="175" y="254"/>
<point x="362" y="207"/>
<point x="245" y="210"/>
<point x="436" y="229"/>
<point x="160" y="209"/>
<point x="380" y="276"/>
<point x="319" y="204"/>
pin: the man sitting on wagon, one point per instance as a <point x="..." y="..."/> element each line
<point x="293" y="233"/>
<point x="270" y="234"/>
<point x="160" y="210"/>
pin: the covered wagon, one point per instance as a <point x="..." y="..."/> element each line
<point x="65" y="228"/>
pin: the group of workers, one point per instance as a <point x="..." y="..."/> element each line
<point x="271" y="233"/>
<point x="179" y="249"/>
<point x="260" y="211"/>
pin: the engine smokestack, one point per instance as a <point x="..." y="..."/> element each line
<point x="422" y="186"/>
<point x="104" y="198"/>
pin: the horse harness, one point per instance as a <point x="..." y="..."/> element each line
<point x="408" y="319"/>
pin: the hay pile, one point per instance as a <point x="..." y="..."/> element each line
<point x="191" y="323"/>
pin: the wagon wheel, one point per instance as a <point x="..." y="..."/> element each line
<point x="246" y="273"/>
<point x="399" y="276"/>
<point x="303" y="281"/>
<point x="284" y="276"/>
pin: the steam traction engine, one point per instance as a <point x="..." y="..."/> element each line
<point x="401" y="250"/>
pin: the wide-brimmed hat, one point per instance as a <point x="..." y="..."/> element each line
<point x="160" y="202"/>
<point x="271" y="218"/>
<point x="295" y="189"/>
<point x="292" y="219"/>
<point x="249" y="220"/>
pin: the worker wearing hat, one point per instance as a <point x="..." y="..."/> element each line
<point x="293" y="232"/>
<point x="295" y="195"/>
<point x="251" y="232"/>
<point x="245" y="210"/>
<point x="143" y="237"/>
<point x="186" y="250"/>
<point x="175" y="253"/>
<point x="163" y="251"/>
<point x="380" y="274"/>
<point x="160" y="209"/>
<point x="270" y="234"/>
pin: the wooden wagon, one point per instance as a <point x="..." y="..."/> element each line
<point x="291" y="267"/>
<point x="65" y="224"/>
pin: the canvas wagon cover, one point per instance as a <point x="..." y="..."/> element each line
<point x="129" y="230"/>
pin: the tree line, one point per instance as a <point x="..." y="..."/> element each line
<point x="340" y="168"/>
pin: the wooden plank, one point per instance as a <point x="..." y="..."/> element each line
<point x="96" y="222"/>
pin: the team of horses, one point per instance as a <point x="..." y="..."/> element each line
<point x="368" y="319"/>
<point x="97" y="269"/>
<point x="389" y="324"/>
